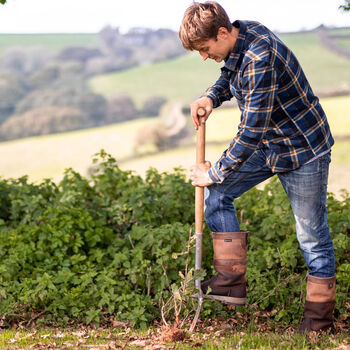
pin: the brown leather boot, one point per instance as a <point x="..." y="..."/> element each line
<point x="230" y="261"/>
<point x="319" y="304"/>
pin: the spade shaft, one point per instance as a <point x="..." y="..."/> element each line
<point x="199" y="210"/>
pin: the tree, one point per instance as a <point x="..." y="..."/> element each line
<point x="120" y="108"/>
<point x="42" y="78"/>
<point x="152" y="105"/>
<point x="346" y="6"/>
<point x="12" y="89"/>
<point x="25" y="60"/>
<point x="2" y="2"/>
<point x="78" y="53"/>
<point x="44" y="120"/>
<point x="90" y="104"/>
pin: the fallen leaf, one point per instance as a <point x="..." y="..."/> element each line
<point x="343" y="317"/>
<point x="156" y="347"/>
<point x="79" y="334"/>
<point x="119" y="324"/>
<point x="59" y="335"/>
<point x="141" y="342"/>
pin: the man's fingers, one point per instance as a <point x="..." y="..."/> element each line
<point x="200" y="111"/>
<point x="194" y="116"/>
<point x="195" y="122"/>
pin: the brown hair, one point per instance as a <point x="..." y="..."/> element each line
<point x="201" y="22"/>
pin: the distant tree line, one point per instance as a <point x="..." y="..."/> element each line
<point x="42" y="93"/>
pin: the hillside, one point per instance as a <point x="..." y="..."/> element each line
<point x="183" y="79"/>
<point x="186" y="77"/>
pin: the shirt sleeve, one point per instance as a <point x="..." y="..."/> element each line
<point x="259" y="87"/>
<point x="220" y="91"/>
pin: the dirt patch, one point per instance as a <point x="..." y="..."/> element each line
<point x="171" y="333"/>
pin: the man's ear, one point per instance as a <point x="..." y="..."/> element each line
<point x="222" y="33"/>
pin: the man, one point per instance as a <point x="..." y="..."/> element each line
<point x="283" y="131"/>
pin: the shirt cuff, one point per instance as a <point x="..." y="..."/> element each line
<point x="214" y="177"/>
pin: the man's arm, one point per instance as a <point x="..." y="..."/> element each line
<point x="259" y="87"/>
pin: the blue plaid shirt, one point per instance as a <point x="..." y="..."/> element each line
<point x="279" y="111"/>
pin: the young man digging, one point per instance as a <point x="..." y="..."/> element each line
<point x="283" y="131"/>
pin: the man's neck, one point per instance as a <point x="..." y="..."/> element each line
<point x="233" y="37"/>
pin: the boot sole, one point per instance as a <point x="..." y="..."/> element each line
<point x="223" y="299"/>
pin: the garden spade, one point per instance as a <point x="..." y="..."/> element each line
<point x="199" y="206"/>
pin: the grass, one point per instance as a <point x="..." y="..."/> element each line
<point x="339" y="31"/>
<point x="54" y="42"/>
<point x="48" y="156"/>
<point x="344" y="43"/>
<point x="205" y="338"/>
<point x="181" y="79"/>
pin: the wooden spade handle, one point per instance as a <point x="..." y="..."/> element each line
<point x="200" y="158"/>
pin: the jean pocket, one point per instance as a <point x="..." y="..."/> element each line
<point x="309" y="168"/>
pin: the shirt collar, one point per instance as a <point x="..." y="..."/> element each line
<point x="232" y="59"/>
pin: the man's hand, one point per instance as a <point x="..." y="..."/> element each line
<point x="205" y="103"/>
<point x="200" y="176"/>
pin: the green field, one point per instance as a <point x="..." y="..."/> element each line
<point x="181" y="79"/>
<point x="47" y="156"/>
<point x="54" y="42"/>
<point x="344" y="43"/>
<point x="324" y="69"/>
<point x="186" y="78"/>
<point x="341" y="37"/>
<point x="339" y="31"/>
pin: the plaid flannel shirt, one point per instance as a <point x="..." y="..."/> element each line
<point x="278" y="108"/>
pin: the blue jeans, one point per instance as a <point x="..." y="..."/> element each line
<point x="306" y="188"/>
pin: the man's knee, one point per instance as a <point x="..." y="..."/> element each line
<point x="219" y="211"/>
<point x="212" y="203"/>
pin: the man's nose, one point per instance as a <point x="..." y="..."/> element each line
<point x="204" y="55"/>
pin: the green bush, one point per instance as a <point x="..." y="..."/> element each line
<point x="86" y="249"/>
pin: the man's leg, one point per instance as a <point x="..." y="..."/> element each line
<point x="219" y="210"/>
<point x="230" y="244"/>
<point x="306" y="188"/>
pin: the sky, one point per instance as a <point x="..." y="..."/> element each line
<point x="90" y="16"/>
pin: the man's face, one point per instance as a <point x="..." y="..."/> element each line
<point x="216" y="49"/>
